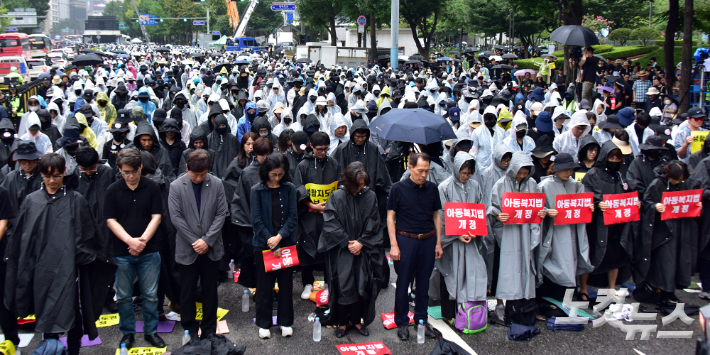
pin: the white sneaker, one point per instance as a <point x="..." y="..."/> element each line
<point x="500" y="312"/>
<point x="704" y="295"/>
<point x="264" y="333"/>
<point x="286" y="332"/>
<point x="306" y="294"/>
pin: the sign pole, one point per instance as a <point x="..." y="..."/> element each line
<point x="394" y="35"/>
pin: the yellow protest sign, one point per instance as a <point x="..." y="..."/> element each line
<point x="321" y="193"/>
<point x="107" y="320"/>
<point x="221" y="312"/>
<point x="579" y="176"/>
<point x="698" y="140"/>
<point x="7" y="348"/>
<point x="144" y="351"/>
<point x="552" y="65"/>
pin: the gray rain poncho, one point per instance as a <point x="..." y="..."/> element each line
<point x="493" y="173"/>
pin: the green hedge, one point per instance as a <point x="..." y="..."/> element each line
<point x="679" y="43"/>
<point x="626" y="52"/>
<point x="598" y="49"/>
<point x="659" y="54"/>
<point x="609" y="53"/>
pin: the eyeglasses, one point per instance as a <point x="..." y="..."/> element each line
<point x="130" y="173"/>
<point x="52" y="177"/>
<point x="697" y="118"/>
<point x="320" y="150"/>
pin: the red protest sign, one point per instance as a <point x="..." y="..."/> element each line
<point x="376" y="348"/>
<point x="573" y="208"/>
<point x="322" y="297"/>
<point x="388" y="319"/>
<point x="622" y="208"/>
<point x="288" y="258"/>
<point x="462" y="218"/>
<point x="523" y="207"/>
<point x="681" y="204"/>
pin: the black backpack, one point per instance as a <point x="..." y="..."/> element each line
<point x="522" y="312"/>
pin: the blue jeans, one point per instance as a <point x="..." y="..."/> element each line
<point x="147" y="268"/>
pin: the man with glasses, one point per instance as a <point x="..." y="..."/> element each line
<point x="684" y="137"/>
<point x="132" y="209"/>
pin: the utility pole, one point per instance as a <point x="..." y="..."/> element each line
<point x="394" y="34"/>
<point x="145" y="33"/>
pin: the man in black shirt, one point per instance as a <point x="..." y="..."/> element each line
<point x="589" y="65"/>
<point x="132" y="210"/>
<point x="415" y="203"/>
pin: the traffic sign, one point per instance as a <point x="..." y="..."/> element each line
<point x="216" y="33"/>
<point x="147" y="20"/>
<point x="198" y="23"/>
<point x="283" y="7"/>
<point x="361" y="20"/>
<point x="11" y="29"/>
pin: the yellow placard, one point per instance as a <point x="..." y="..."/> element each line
<point x="144" y="351"/>
<point x="579" y="176"/>
<point x="552" y="65"/>
<point x="321" y="193"/>
<point x="7" y="348"/>
<point x="221" y="312"/>
<point x="698" y="140"/>
<point x="107" y="320"/>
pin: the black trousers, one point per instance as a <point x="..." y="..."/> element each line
<point x="8" y="318"/>
<point x="74" y="334"/>
<point x="264" y="295"/>
<point x="247" y="275"/>
<point x="205" y="270"/>
<point x="351" y="313"/>
<point x="448" y="307"/>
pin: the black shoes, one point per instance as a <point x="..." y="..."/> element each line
<point x="127" y="339"/>
<point x="429" y="332"/>
<point x="111" y="306"/>
<point x="403" y="333"/>
<point x="340" y="332"/>
<point x="155" y="340"/>
<point x="363" y="331"/>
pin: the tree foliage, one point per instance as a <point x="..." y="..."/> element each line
<point x="621" y="35"/>
<point x="321" y="14"/>
<point x="422" y="16"/>
<point x="644" y="34"/>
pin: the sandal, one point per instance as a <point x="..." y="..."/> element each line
<point x="583" y="294"/>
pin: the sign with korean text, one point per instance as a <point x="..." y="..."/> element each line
<point x="322" y="298"/>
<point x="288" y="258"/>
<point x="681" y="204"/>
<point x="463" y="218"/>
<point x="574" y="208"/>
<point x="622" y="208"/>
<point x="698" y="140"/>
<point x="388" y="319"/>
<point x="7" y="347"/>
<point x="107" y="320"/>
<point x="523" y="207"/>
<point x="579" y="176"/>
<point x="376" y="348"/>
<point x="144" y="351"/>
<point x="321" y="193"/>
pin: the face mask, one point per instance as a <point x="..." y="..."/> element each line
<point x="118" y="136"/>
<point x="469" y="99"/>
<point x="77" y="92"/>
<point x="653" y="154"/>
<point x="287" y="120"/>
<point x="102" y="103"/>
<point x="613" y="166"/>
<point x="490" y="123"/>
<point x="143" y="99"/>
<point x="263" y="134"/>
<point x="313" y="99"/>
<point x="221" y="130"/>
<point x="180" y="104"/>
<point x="520" y="134"/>
<point x="668" y="102"/>
<point x="34" y="108"/>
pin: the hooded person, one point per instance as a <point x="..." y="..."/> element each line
<point x="188" y="115"/>
<point x="357" y="111"/>
<point x="384" y="95"/>
<point x="68" y="145"/>
<point x="244" y="124"/>
<point x="106" y="109"/>
<point x="276" y="95"/>
<point x="517" y="137"/>
<point x="48" y="128"/>
<point x="321" y="112"/>
<point x="119" y="96"/>
<point x="542" y="156"/>
<point x="198" y="140"/>
<point x="231" y="121"/>
<point x="171" y="140"/>
<point x="461" y="268"/>
<point x="470" y="119"/>
<point x="212" y="101"/>
<point x="262" y="128"/>
<point x="568" y="142"/>
<point x="287" y="121"/>
<point x="599" y="110"/>
<point x="357" y="93"/>
<point x="642" y="169"/>
<point x="201" y="106"/>
<point x="97" y="125"/>
<point x="57" y="117"/>
<point x="563" y="253"/>
<point x="332" y="104"/>
<point x="694" y="158"/>
<point x="515" y="280"/>
<point x="586" y="156"/>
<point x="24" y="180"/>
<point x="224" y="145"/>
<point x="118" y="141"/>
<point x="609" y="245"/>
<point x="33" y="105"/>
<point x="144" y="101"/>
<point x="185" y="129"/>
<point x="240" y="103"/>
<point x="441" y="102"/>
<point x="486" y="138"/>
<point x="559" y="119"/>
<point x="34" y="134"/>
<point x="147" y="140"/>
<point x="501" y="161"/>
<point x="456" y="146"/>
<point x="7" y="140"/>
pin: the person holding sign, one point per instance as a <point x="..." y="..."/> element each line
<point x="315" y="178"/>
<point x="609" y="245"/>
<point x="665" y="250"/>
<point x="515" y="268"/>
<point x="564" y="250"/>
<point x="274" y="216"/>
<point x="463" y="270"/>
<point x="352" y="245"/>
<point x="685" y="136"/>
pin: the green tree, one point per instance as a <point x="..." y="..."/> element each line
<point x="422" y="16"/>
<point x="321" y="14"/>
<point x="644" y="34"/>
<point x="620" y="34"/>
<point x="456" y="19"/>
<point x="42" y="6"/>
<point x="622" y="13"/>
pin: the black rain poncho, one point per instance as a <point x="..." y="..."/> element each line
<point x="641" y="172"/>
<point x="700" y="179"/>
<point x="225" y="147"/>
<point x="159" y="152"/>
<point x="18" y="186"/>
<point x="197" y="133"/>
<point x="176" y="149"/>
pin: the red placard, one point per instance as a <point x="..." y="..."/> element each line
<point x="376" y="348"/>
<point x="288" y="258"/>
<point x="322" y="297"/>
<point x="462" y="218"/>
<point x="622" y="208"/>
<point x="523" y="207"/>
<point x="573" y="208"/>
<point x="388" y="319"/>
<point x="682" y="204"/>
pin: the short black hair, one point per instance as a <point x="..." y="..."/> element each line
<point x="263" y="146"/>
<point x="320" y="139"/>
<point x="86" y="156"/>
<point x="129" y="157"/>
<point x="284" y="138"/>
<point x="591" y="49"/>
<point x="471" y="164"/>
<point x="198" y="161"/>
<point x="51" y="163"/>
<point x="351" y="176"/>
<point x="414" y="159"/>
<point x="676" y="170"/>
<point x="150" y="166"/>
<point x="274" y="161"/>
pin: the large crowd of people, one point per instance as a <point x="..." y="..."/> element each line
<point x="141" y="179"/>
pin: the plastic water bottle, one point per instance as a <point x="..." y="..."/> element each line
<point x="316" y="330"/>
<point x="245" y="301"/>
<point x="420" y="332"/>
<point x="124" y="351"/>
<point x="231" y="269"/>
<point x="186" y="337"/>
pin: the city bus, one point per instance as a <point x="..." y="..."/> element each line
<point x="40" y="44"/>
<point x="15" y="44"/>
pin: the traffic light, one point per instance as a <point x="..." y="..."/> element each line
<point x="137" y="21"/>
<point x="184" y="20"/>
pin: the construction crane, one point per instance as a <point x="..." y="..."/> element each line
<point x="233" y="14"/>
<point x="245" y="19"/>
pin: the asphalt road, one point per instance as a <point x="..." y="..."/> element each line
<point x="605" y="339"/>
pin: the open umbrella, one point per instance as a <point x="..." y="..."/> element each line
<point x="496" y="58"/>
<point x="219" y="67"/>
<point x="469" y="50"/>
<point x="574" y="35"/>
<point x="86" y="50"/>
<point x="303" y="60"/>
<point x="87" y="59"/>
<point x="454" y="52"/>
<point x="522" y="72"/>
<point x="413" y="62"/>
<point x="163" y="50"/>
<point x="416" y="57"/>
<point x="502" y="66"/>
<point x="486" y="53"/>
<point x="413" y="126"/>
<point x="614" y="79"/>
<point x="120" y="52"/>
<point x="383" y="57"/>
<point x="600" y="58"/>
<point x="442" y="59"/>
<point x="136" y="40"/>
<point x="605" y="88"/>
<point x="550" y="57"/>
<point x="498" y="46"/>
<point x="510" y="56"/>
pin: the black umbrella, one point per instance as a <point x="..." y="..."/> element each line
<point x="487" y="53"/>
<point x="303" y="60"/>
<point x="416" y="57"/>
<point x="241" y="62"/>
<point x="502" y="66"/>
<point x="414" y="126"/>
<point x="600" y="58"/>
<point x="574" y="35"/>
<point x="87" y="59"/>
<point x="87" y="50"/>
<point x="454" y="52"/>
<point x="384" y="56"/>
<point x="219" y="67"/>
<point x="510" y="56"/>
<point x="163" y="50"/>
<point x="498" y="46"/>
<point x="197" y="55"/>
<point x="120" y="52"/>
<point x="413" y="62"/>
<point x="615" y="79"/>
<point x="469" y="50"/>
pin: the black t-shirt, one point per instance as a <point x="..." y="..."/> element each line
<point x="133" y="210"/>
<point x="414" y="205"/>
<point x="5" y="213"/>
<point x="589" y="68"/>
